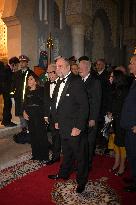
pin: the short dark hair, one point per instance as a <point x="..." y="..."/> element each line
<point x="119" y="79"/>
<point x="13" y="60"/>
<point x="102" y="60"/>
<point x="85" y="58"/>
<point x="36" y="77"/>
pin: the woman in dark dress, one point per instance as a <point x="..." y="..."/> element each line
<point x="34" y="113"/>
<point x="119" y="91"/>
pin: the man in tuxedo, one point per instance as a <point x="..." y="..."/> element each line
<point x="93" y="88"/>
<point x="48" y="92"/>
<point x="128" y="122"/>
<point x="8" y="77"/>
<point x="19" y="87"/>
<point x="70" y="110"/>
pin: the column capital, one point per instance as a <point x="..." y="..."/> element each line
<point x="78" y="19"/>
<point x="11" y="21"/>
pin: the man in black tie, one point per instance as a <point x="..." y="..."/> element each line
<point x="128" y="122"/>
<point x="48" y="92"/>
<point x="94" y="92"/>
<point x="70" y="110"/>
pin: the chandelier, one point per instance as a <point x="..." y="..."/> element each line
<point x="3" y="39"/>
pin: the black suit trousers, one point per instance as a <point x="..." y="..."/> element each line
<point x="7" y="108"/>
<point x="77" y="148"/>
<point x="56" y="142"/>
<point x="92" y="132"/>
<point x="131" y="151"/>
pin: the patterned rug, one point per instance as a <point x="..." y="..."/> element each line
<point x="17" y="171"/>
<point x="96" y="192"/>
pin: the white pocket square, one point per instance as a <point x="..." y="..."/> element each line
<point x="67" y="94"/>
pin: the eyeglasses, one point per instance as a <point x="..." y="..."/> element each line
<point x="51" y="72"/>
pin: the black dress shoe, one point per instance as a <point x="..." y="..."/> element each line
<point x="131" y="188"/>
<point x="112" y="170"/>
<point x="53" y="160"/>
<point x="10" y="124"/>
<point x="33" y="158"/>
<point x="56" y="176"/>
<point x="80" y="188"/>
<point x="44" y="161"/>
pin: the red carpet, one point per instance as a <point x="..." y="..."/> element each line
<point x="35" y="188"/>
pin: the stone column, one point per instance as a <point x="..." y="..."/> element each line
<point x="77" y="40"/>
<point x="13" y="36"/>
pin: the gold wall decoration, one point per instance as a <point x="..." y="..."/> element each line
<point x="3" y="39"/>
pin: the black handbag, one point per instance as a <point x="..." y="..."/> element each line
<point x="22" y="137"/>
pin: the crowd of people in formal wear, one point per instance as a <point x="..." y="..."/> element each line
<point x="72" y="105"/>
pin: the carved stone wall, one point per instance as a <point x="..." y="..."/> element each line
<point x="111" y="10"/>
<point x="98" y="40"/>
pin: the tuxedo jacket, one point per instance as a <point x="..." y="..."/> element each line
<point x="73" y="108"/>
<point x="128" y="115"/>
<point x="103" y="77"/>
<point x="94" y="92"/>
<point x="47" y="99"/>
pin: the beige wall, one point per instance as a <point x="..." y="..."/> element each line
<point x="14" y="38"/>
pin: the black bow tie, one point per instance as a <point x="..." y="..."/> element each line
<point x="53" y="82"/>
<point x="63" y="80"/>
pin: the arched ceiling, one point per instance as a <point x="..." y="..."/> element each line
<point x="8" y="7"/>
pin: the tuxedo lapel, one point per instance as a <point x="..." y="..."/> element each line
<point x="88" y="80"/>
<point x="56" y="89"/>
<point x="47" y="88"/>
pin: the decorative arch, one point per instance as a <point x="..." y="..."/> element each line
<point x="98" y="40"/>
<point x="102" y="19"/>
<point x="56" y="16"/>
<point x="9" y="7"/>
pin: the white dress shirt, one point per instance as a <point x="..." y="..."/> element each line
<point x="84" y="79"/>
<point x="100" y="72"/>
<point x="24" y="70"/>
<point x="62" y="85"/>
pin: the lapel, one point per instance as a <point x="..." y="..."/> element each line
<point x="47" y="88"/>
<point x="65" y="90"/>
<point x="88" y="81"/>
<point x="55" y="92"/>
<point x="133" y="84"/>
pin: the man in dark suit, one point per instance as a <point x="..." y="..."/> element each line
<point x="70" y="110"/>
<point x="93" y="88"/>
<point x="19" y="87"/>
<point x="8" y="77"/>
<point x="128" y="122"/>
<point x="48" y="92"/>
<point x="102" y="75"/>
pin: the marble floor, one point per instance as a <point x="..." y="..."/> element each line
<point x="9" y="150"/>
